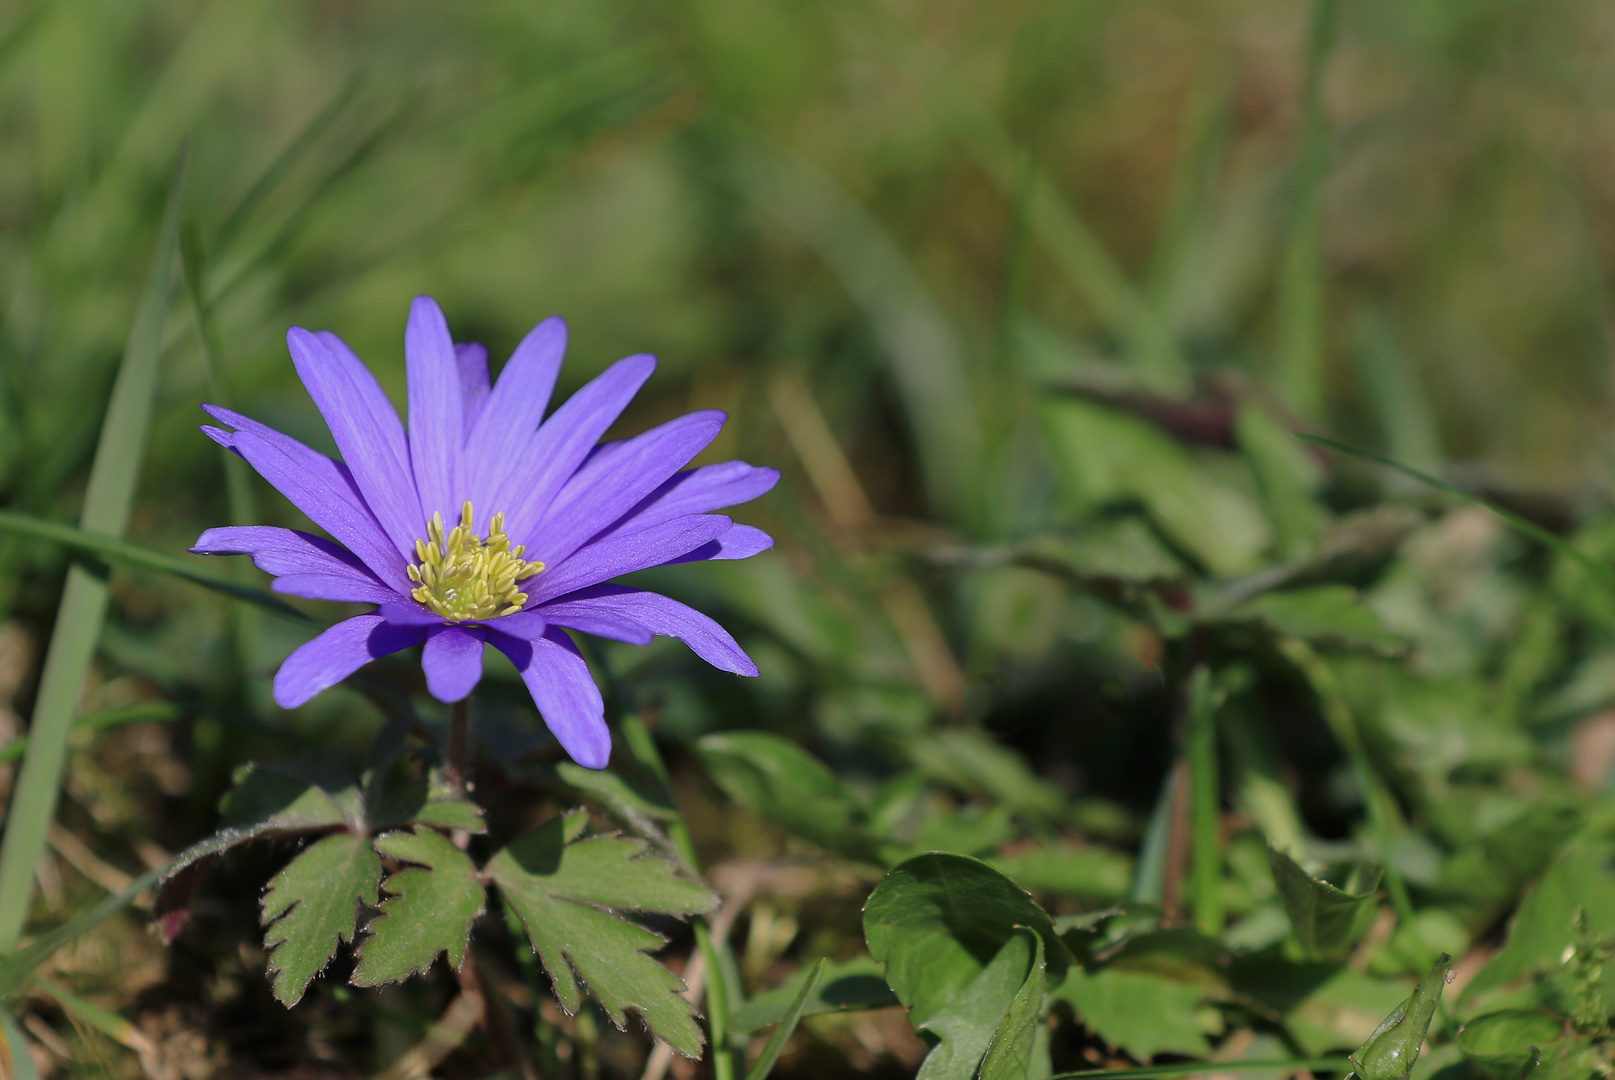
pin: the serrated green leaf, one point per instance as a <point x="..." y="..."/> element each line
<point x="1390" y="1053"/>
<point x="429" y="804"/>
<point x="313" y="904"/>
<point x="559" y="882"/>
<point x="934" y="918"/>
<point x="966" y="1026"/>
<point x="847" y="986"/>
<point x="1009" y="1054"/>
<point x="1326" y="921"/>
<point x="789" y="787"/>
<point x="429" y="911"/>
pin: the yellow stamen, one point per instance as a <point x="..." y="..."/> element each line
<point x="463" y="577"/>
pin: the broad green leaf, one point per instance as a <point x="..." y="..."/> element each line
<point x="430" y="909"/>
<point x="1390" y="1053"/>
<point x="567" y="888"/>
<point x="965" y="1027"/>
<point x="936" y="918"/>
<point x="1544" y="925"/>
<point x="1287" y="477"/>
<point x="1325" y="614"/>
<point x="1502" y="1044"/>
<point x="313" y="904"/>
<point x="847" y="986"/>
<point x="788" y="786"/>
<point x="629" y="793"/>
<point x="1325" y="920"/>
<point x="1483" y="878"/>
<point x="1141" y="1012"/>
<point x="1327" y="1011"/>
<point x="1009" y="1054"/>
<point x="1091" y="873"/>
<point x="1108" y="456"/>
<point x="973" y="762"/>
<point x="793" y="1016"/>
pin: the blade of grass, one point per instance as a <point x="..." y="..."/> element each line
<point x="17" y="967"/>
<point x="787" y="1025"/>
<point x="156" y="712"/>
<point x="1299" y="367"/>
<point x="1557" y="544"/>
<point x="14" y="1051"/>
<point x="1206" y="803"/>
<point x="123" y="551"/>
<point x="107" y="501"/>
<point x="1189" y="1068"/>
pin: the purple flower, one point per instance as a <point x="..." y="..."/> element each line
<point x="482" y="525"/>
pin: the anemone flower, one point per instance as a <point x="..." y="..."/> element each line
<point x="487" y="524"/>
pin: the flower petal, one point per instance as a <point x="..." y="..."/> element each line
<point x="740" y="542"/>
<point x="625" y="554"/>
<point x="334" y="473"/>
<point x="326" y="506"/>
<point x="494" y="445"/>
<point x="334" y="573"/>
<point x="452" y="661"/>
<point x="326" y="660"/>
<point x="408" y="613"/>
<point x="697" y="491"/>
<point x="564" y="692"/>
<point x="657" y="614"/>
<point x="436" y="412"/>
<point x="524" y="624"/>
<point x="563" y="441"/>
<point x="601" y="621"/>
<point x="472" y="360"/>
<point x="608" y="487"/>
<point x="365" y="427"/>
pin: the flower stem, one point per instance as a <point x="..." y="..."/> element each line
<point x="454" y="768"/>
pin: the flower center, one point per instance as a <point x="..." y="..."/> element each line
<point x="462" y="576"/>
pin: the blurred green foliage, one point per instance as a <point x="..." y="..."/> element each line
<point x="1026" y="300"/>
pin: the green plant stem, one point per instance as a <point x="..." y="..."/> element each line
<point x="107" y="500"/>
<point x="643" y="746"/>
<point x="1383" y="816"/>
<point x="1206" y="804"/>
<point x="1189" y="1068"/>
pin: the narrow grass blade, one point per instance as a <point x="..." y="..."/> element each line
<point x="1189" y="1068"/>
<point x="787" y="1026"/>
<point x="156" y="712"/>
<point x="111" y="490"/>
<point x="16" y="967"/>
<point x="1205" y="792"/>
<point x="13" y="1051"/>
<point x="123" y="551"/>
<point x="1530" y="528"/>
<point x="1299" y="368"/>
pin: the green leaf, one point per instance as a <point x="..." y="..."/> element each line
<point x="1141" y="1012"/>
<point x="966" y="1027"/>
<point x="1502" y="1044"/>
<point x="1325" y="614"/>
<point x="429" y="911"/>
<point x="934" y="922"/>
<point x="314" y="903"/>
<point x="18" y="1063"/>
<point x="1091" y="873"/>
<point x="793" y="1016"/>
<point x="1287" y="477"/>
<point x="567" y="890"/>
<point x="429" y="803"/>
<point x="788" y="786"/>
<point x="1009" y="1054"/>
<point x="973" y="762"/>
<point x="847" y="986"/>
<point x="1325" y="920"/>
<point x="15" y="968"/>
<point x="1390" y="1053"/>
